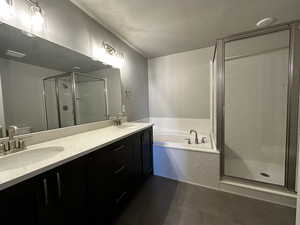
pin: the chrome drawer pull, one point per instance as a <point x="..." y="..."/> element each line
<point x="58" y="184"/>
<point x="121" y="197"/>
<point x="45" y="185"/>
<point x="119" y="148"/>
<point x="120" y="169"/>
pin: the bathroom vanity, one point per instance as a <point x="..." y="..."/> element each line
<point x="81" y="174"/>
<point x="86" y="183"/>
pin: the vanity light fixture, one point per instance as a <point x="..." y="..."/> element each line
<point x="109" y="56"/>
<point x="35" y="19"/>
<point x="6" y="9"/>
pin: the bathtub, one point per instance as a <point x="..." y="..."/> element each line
<point x="174" y="158"/>
<point x="178" y="140"/>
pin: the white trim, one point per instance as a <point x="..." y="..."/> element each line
<point x="232" y="192"/>
<point x="261" y="189"/>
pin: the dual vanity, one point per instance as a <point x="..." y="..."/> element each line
<point x="79" y="179"/>
<point x="55" y="100"/>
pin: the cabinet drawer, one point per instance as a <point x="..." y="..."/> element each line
<point x="119" y="156"/>
<point x="120" y="184"/>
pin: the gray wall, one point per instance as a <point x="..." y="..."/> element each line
<point x="68" y="26"/>
<point x="179" y="84"/>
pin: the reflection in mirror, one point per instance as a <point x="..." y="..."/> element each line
<point x="45" y="86"/>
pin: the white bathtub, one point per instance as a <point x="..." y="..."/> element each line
<point x="174" y="158"/>
<point x="198" y="164"/>
<point x="178" y="140"/>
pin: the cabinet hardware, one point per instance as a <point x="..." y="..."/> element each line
<point x="58" y="184"/>
<point x="45" y="185"/>
<point x="120" y="169"/>
<point x="119" y="148"/>
<point x="121" y="197"/>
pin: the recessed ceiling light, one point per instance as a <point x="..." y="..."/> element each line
<point x="265" y="22"/>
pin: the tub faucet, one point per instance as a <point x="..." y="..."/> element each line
<point x="196" y="136"/>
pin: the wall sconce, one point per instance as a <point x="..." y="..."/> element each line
<point x="6" y="9"/>
<point x="109" y="56"/>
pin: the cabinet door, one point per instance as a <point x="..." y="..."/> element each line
<point x="99" y="187"/>
<point x="147" y="152"/>
<point x="107" y="181"/>
<point x="18" y="204"/>
<point x="71" y="186"/>
<point x="135" y="161"/>
<point x="62" y="195"/>
<point x="50" y="212"/>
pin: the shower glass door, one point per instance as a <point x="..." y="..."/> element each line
<point x="58" y="97"/>
<point x="50" y="98"/>
<point x="91" y="101"/>
<point x="256" y="79"/>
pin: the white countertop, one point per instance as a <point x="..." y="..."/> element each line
<point x="74" y="146"/>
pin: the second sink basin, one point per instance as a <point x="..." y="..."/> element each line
<point x="125" y="126"/>
<point x="27" y="157"/>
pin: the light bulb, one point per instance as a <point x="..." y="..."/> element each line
<point x="37" y="19"/>
<point x="101" y="54"/>
<point x="98" y="53"/>
<point x="6" y="9"/>
<point x="118" y="62"/>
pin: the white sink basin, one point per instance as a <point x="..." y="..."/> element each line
<point x="28" y="157"/>
<point x="125" y="126"/>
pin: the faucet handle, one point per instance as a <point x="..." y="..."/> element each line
<point x="204" y="140"/>
<point x="189" y="140"/>
<point x="12" y="144"/>
<point x="21" y="144"/>
<point x="2" y="148"/>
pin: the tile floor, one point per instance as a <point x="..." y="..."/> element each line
<point x="166" y="202"/>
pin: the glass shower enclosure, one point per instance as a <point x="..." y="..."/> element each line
<point x="255" y="105"/>
<point x="74" y="98"/>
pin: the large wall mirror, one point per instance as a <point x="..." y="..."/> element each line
<point x="45" y="86"/>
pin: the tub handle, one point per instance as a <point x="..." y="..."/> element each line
<point x="189" y="140"/>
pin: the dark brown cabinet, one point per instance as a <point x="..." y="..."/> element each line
<point x="87" y="190"/>
<point x="147" y="152"/>
<point x="72" y="196"/>
<point x="61" y="194"/>
<point x="18" y="204"/>
<point x="135" y="161"/>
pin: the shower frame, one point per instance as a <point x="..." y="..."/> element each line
<point x="74" y="87"/>
<point x="292" y="102"/>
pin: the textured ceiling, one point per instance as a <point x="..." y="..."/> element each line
<point x="162" y="27"/>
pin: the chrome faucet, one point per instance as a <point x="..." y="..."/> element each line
<point x="12" y="144"/>
<point x="196" y="136"/>
<point x="117" y="119"/>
